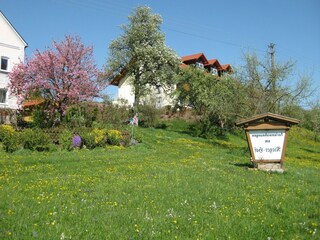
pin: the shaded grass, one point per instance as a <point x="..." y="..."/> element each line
<point x="171" y="186"/>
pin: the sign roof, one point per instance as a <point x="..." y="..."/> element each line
<point x="266" y="117"/>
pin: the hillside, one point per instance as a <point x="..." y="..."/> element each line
<point x="169" y="186"/>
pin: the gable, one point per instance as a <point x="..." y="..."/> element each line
<point x="9" y="36"/>
<point x="267" y="117"/>
<point x="214" y="63"/>
<point x="191" y="59"/>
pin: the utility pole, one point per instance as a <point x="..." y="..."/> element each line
<point x="271" y="51"/>
<point x="272" y="79"/>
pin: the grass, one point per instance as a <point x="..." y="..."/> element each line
<point x="171" y="186"/>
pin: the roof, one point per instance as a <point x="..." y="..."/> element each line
<point x="214" y="62"/>
<point x="185" y="61"/>
<point x="194" y="57"/>
<point x="34" y="102"/>
<point x="115" y="81"/>
<point x="183" y="65"/>
<point x="225" y="67"/>
<point x="13" y="28"/>
<point x="268" y="116"/>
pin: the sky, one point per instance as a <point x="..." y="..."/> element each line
<point x="223" y="30"/>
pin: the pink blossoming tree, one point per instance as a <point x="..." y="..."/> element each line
<point x="63" y="75"/>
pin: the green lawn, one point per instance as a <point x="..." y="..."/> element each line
<point x="170" y="186"/>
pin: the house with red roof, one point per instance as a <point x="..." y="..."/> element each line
<point x="212" y="66"/>
<point x="161" y="98"/>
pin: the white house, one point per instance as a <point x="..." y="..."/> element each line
<point x="158" y="96"/>
<point x="126" y="93"/>
<point x="12" y="47"/>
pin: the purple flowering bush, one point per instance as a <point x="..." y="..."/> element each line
<point x="76" y="141"/>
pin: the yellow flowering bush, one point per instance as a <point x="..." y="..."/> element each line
<point x="114" y="137"/>
<point x="6" y="130"/>
<point x="9" y="138"/>
<point x="99" y="136"/>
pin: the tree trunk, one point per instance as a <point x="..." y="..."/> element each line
<point x="136" y="93"/>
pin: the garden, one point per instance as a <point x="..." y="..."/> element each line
<point x="169" y="185"/>
<point x="72" y="168"/>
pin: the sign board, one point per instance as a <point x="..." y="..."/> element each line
<point x="267" y="144"/>
<point x="267" y="136"/>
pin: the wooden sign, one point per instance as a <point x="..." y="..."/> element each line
<point x="267" y="136"/>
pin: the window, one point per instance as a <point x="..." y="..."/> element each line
<point x="199" y="65"/>
<point x="159" y="102"/>
<point x="3" y="93"/>
<point x="158" y="89"/>
<point x="214" y="71"/>
<point x="4" y="63"/>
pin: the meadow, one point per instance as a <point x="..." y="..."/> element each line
<point x="169" y="186"/>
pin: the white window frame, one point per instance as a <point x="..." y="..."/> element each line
<point x="214" y="71"/>
<point x="199" y="65"/>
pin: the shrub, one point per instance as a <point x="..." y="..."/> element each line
<point x="41" y="118"/>
<point x="65" y="139"/>
<point x="126" y="138"/>
<point x="35" y="139"/>
<point x="76" y="141"/>
<point x="99" y="136"/>
<point x="205" y="128"/>
<point x="88" y="140"/>
<point x="114" y="137"/>
<point x="148" y="115"/>
<point x="75" y="116"/>
<point x="10" y="138"/>
<point x="113" y="113"/>
<point x="5" y="131"/>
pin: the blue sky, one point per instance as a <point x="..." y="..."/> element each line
<point x="220" y="29"/>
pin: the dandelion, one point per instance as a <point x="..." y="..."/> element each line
<point x="136" y="228"/>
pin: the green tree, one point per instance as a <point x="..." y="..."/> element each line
<point x="216" y="100"/>
<point x="141" y="52"/>
<point x="315" y="118"/>
<point x="268" y="87"/>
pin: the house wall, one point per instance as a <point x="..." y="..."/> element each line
<point x="157" y="96"/>
<point x="125" y="91"/>
<point x="12" y="47"/>
<point x="161" y="98"/>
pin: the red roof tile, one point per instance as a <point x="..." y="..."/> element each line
<point x="214" y="62"/>
<point x="34" y="102"/>
<point x="183" y="65"/>
<point x="226" y="67"/>
<point x="194" y="57"/>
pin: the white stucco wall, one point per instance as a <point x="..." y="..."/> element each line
<point x="159" y="98"/>
<point x="125" y="91"/>
<point x="12" y="46"/>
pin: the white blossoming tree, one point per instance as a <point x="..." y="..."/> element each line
<point x="142" y="53"/>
